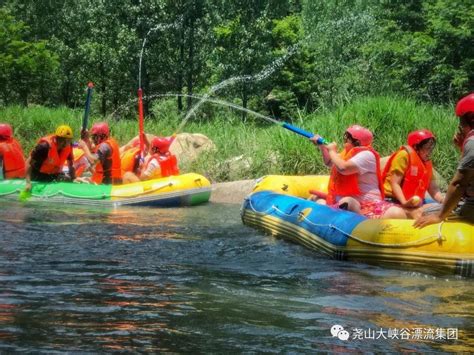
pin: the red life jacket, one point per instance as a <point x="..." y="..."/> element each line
<point x="417" y="178"/>
<point x="128" y="160"/>
<point x="13" y="159"/>
<point x="348" y="185"/>
<point x="53" y="164"/>
<point x="168" y="165"/>
<point x="116" y="172"/>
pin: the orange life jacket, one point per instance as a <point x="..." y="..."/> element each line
<point x="116" y="172"/>
<point x="53" y="164"/>
<point x="13" y="159"/>
<point x="348" y="185"/>
<point x="128" y="160"/>
<point x="417" y="178"/>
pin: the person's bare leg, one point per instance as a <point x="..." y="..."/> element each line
<point x="394" y="212"/>
<point x="352" y="204"/>
<point x="129" y="177"/>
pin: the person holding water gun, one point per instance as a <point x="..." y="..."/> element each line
<point x="355" y="183"/>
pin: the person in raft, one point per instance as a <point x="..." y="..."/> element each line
<point x="355" y="183"/>
<point x="408" y="174"/>
<point x="159" y="163"/>
<point x="103" y="155"/>
<point x="46" y="160"/>
<point x="131" y="156"/>
<point x="12" y="160"/>
<point x="461" y="186"/>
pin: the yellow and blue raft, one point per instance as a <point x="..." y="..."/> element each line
<point x="279" y="206"/>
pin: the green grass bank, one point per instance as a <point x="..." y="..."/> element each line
<point x="267" y="148"/>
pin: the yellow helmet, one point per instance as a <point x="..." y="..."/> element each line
<point x="64" y="131"/>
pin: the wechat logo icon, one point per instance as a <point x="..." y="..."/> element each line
<point x="339" y="332"/>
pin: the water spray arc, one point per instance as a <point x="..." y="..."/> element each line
<point x="141" y="124"/>
<point x="267" y="71"/>
<point x="285" y="125"/>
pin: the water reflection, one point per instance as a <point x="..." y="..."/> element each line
<point x="183" y="280"/>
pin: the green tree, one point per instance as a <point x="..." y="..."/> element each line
<point x="428" y="54"/>
<point x="293" y="85"/>
<point x="26" y="67"/>
<point x="338" y="32"/>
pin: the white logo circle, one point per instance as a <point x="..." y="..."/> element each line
<point x="336" y="329"/>
<point x="339" y="332"/>
<point x="343" y="335"/>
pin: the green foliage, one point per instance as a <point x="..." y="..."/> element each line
<point x="26" y="67"/>
<point x="293" y="88"/>
<point x="266" y="149"/>
<point x="290" y="56"/>
<point x="337" y="34"/>
<point x="428" y="55"/>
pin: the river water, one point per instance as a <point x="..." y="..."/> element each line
<point x="198" y="280"/>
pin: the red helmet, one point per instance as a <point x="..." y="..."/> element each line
<point x="416" y="137"/>
<point x="161" y="143"/>
<point x="465" y="105"/>
<point x="100" y="128"/>
<point x="6" y="130"/>
<point x="362" y="134"/>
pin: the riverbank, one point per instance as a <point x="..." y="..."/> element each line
<point x="249" y="147"/>
<point x="232" y="192"/>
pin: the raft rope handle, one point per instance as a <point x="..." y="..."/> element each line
<point x="438" y="237"/>
<point x="60" y="192"/>
<point x="94" y="197"/>
<point x="273" y="207"/>
<point x="169" y="184"/>
<point x="421" y="241"/>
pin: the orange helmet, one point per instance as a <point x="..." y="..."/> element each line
<point x="362" y="134"/>
<point x="416" y="137"/>
<point x="6" y="130"/>
<point x="465" y="105"/>
<point x="101" y="128"/>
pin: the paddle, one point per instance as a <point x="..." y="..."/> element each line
<point x="141" y="129"/>
<point x="85" y="119"/>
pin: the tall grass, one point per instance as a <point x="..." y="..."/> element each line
<point x="267" y="149"/>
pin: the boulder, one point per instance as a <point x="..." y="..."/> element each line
<point x="188" y="146"/>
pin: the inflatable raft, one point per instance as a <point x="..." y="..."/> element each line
<point x="278" y="205"/>
<point x="183" y="190"/>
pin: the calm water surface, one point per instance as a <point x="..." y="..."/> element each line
<point x="196" y="279"/>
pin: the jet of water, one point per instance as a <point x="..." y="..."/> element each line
<point x="161" y="27"/>
<point x="222" y="103"/>
<point x="267" y="71"/>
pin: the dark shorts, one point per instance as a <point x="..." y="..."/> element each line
<point x="49" y="177"/>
